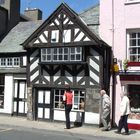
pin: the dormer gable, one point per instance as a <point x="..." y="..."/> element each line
<point x="63" y="26"/>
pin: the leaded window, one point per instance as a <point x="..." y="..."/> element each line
<point x="10" y="62"/>
<point x="61" y="54"/>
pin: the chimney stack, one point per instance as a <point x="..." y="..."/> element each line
<point x="13" y="8"/>
<point x="33" y="13"/>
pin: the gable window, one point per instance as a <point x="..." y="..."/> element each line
<point x="10" y="62"/>
<point x="1" y="91"/>
<point x="134" y="46"/>
<point x="61" y="54"/>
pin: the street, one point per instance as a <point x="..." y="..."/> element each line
<point x="18" y="133"/>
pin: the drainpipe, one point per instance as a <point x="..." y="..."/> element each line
<point x="113" y="74"/>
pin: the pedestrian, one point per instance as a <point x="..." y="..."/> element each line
<point x="67" y="98"/>
<point x="124" y="112"/>
<point x="106" y="107"/>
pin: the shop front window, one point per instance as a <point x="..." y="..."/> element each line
<point x="78" y="99"/>
<point x="1" y="91"/>
<point x="134" y="95"/>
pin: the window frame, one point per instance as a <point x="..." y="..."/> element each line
<point x="61" y="53"/>
<point x="133" y="45"/>
<point x="76" y="102"/>
<point x="10" y="62"/>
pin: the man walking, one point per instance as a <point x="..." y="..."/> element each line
<point x="105" y="117"/>
<point x="124" y="111"/>
<point x="67" y="98"/>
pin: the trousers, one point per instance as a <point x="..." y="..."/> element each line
<point x="105" y="118"/>
<point x="123" y="123"/>
<point x="67" y="114"/>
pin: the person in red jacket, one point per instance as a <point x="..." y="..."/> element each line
<point x="67" y="98"/>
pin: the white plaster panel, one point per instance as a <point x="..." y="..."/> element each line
<point x="43" y="39"/>
<point x="8" y="95"/>
<point x="59" y="115"/>
<point x="24" y="60"/>
<point x="79" y="37"/>
<point x="36" y="42"/>
<point x="94" y="65"/>
<point x="34" y="75"/>
<point x="34" y="65"/>
<point x="94" y="76"/>
<point x="67" y="36"/>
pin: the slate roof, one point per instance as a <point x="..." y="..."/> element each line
<point x="91" y="18"/>
<point x="12" y="42"/>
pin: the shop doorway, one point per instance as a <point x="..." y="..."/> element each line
<point x="20" y="98"/>
<point x="43" y="107"/>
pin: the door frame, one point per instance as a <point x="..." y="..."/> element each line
<point x="35" y="103"/>
<point x="17" y="99"/>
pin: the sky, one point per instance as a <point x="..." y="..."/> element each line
<point x="48" y="6"/>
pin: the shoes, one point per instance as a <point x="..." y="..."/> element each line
<point x="125" y="133"/>
<point x="105" y="129"/>
<point x="117" y="132"/>
<point x="67" y="128"/>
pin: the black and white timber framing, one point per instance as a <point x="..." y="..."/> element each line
<point x="65" y="29"/>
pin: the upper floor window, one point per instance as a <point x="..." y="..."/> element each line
<point x="134" y="46"/>
<point x="10" y="62"/>
<point x="61" y="54"/>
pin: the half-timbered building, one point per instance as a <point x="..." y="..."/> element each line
<point x="64" y="51"/>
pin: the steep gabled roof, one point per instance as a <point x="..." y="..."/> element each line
<point x="74" y="16"/>
<point x="12" y="42"/>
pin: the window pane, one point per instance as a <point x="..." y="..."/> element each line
<point x="78" y="57"/>
<point x="49" y="51"/>
<point x="138" y="42"/>
<point x="60" y="57"/>
<point x="133" y="42"/>
<point x="48" y="57"/>
<point x="43" y="51"/>
<point x="72" y="57"/>
<point x="65" y="50"/>
<point x="65" y="57"/>
<point x="133" y="35"/>
<point x="72" y="50"/>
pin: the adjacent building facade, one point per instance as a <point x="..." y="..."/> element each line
<point x="120" y="28"/>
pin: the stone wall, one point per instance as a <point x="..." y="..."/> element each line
<point x="92" y="100"/>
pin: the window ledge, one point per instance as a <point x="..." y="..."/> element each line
<point x="132" y="2"/>
<point x="133" y="64"/>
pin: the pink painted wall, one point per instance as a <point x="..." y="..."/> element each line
<point x="124" y="16"/>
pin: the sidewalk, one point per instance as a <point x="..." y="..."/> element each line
<point x="54" y="126"/>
